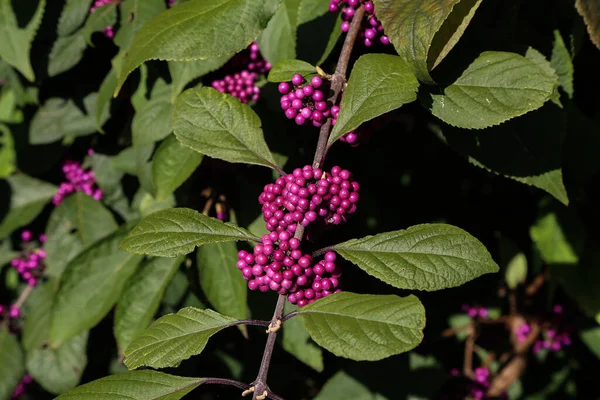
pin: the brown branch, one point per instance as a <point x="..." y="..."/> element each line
<point x="23" y="297"/>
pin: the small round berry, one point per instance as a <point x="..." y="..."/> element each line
<point x="290" y="113"/>
<point x="345" y="27"/>
<point x="284" y="88"/>
<point x="318" y="95"/>
<point x="369" y="7"/>
<point x="297" y="79"/>
<point x="316" y="82"/>
<point x="384" y="39"/>
<point x="308" y="90"/>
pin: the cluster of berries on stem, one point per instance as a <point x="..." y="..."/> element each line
<point x="305" y="101"/>
<point x="242" y="84"/>
<point x="78" y="180"/>
<point x="372" y="29"/>
<point x="30" y="263"/>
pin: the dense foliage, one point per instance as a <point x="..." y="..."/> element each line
<point x="403" y="194"/>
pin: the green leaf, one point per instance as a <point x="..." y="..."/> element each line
<point x="101" y="18"/>
<point x="6" y="253"/>
<point x="141" y="298"/>
<point x="8" y="156"/>
<point x="72" y="16"/>
<point x="104" y="97"/>
<point x="221" y="281"/>
<point x="591" y="338"/>
<point x="39" y="313"/>
<point x="378" y="83"/>
<point x="590" y="11"/>
<point x="296" y="341"/>
<point x="220" y="126"/>
<point x="59" y="118"/>
<point x="154" y="120"/>
<point x="90" y="285"/>
<point x="423" y="32"/>
<point x="198" y="30"/>
<point x="170" y="233"/>
<point x="423" y="257"/>
<point x="75" y="224"/>
<point x="332" y="41"/>
<point x="66" y="53"/>
<point x="183" y="72"/>
<point x="342" y="386"/>
<point x="516" y="271"/>
<point x="496" y="87"/>
<point x="12" y="363"/>
<point x="278" y="40"/>
<point x="174" y="338"/>
<point x="28" y="198"/>
<point x="311" y="9"/>
<point x="284" y="70"/>
<point x="136" y="385"/>
<point x="59" y="370"/>
<point x="172" y="164"/>
<point x="562" y="64"/>
<point x="15" y="42"/>
<point x="365" y="326"/>
<point x="134" y="15"/>
<point x="527" y="149"/>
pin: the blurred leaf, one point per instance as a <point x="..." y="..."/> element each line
<point x="562" y="63"/>
<point x="459" y="321"/>
<point x="176" y="290"/>
<point x="311" y="9"/>
<point x="72" y="16"/>
<point x="90" y="285"/>
<point x="174" y="338"/>
<point x="423" y="257"/>
<point x="172" y="164"/>
<point x="590" y="11"/>
<point x="8" y="107"/>
<point x="12" y="363"/>
<point x="183" y="72"/>
<point x="516" y="271"/>
<point x="257" y="227"/>
<point x="591" y="338"/>
<point x="296" y="341"/>
<point x="6" y="252"/>
<point x="59" y="118"/>
<point x="333" y="39"/>
<point x="169" y="233"/>
<point x="39" y="315"/>
<point x="154" y="120"/>
<point x="141" y="298"/>
<point x="136" y="385"/>
<point x="66" y="53"/>
<point x="342" y="386"/>
<point x="74" y="225"/>
<point x="424" y="32"/>
<point x="8" y="156"/>
<point x="527" y="149"/>
<point x="15" y="42"/>
<point x="365" y="326"/>
<point x="284" y="70"/>
<point x="278" y="40"/>
<point x="28" y="198"/>
<point x="378" y="83"/>
<point x="221" y="281"/>
<point x="146" y="204"/>
<point x="198" y="31"/>
<point x="496" y="87"/>
<point x="104" y="97"/>
<point x="101" y="18"/>
<point x="221" y="126"/>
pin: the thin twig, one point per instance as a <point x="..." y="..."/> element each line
<point x="322" y="251"/>
<point x="253" y="322"/>
<point x="288" y="316"/>
<point x="23" y="297"/>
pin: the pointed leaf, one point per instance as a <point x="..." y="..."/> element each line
<point x="195" y="31"/>
<point x="278" y="40"/>
<point x="365" y="326"/>
<point x="378" y="83"/>
<point x="28" y="198"/>
<point x="66" y="53"/>
<point x="90" y="285"/>
<point x="562" y="63"/>
<point x="221" y="280"/>
<point x="154" y="120"/>
<point x="183" y="72"/>
<point x="296" y="341"/>
<point x="423" y="257"/>
<point x="342" y="386"/>
<point x="174" y="338"/>
<point x="136" y="385"/>
<point x="496" y="87"/>
<point x="220" y="126"/>
<point x="169" y="233"/>
<point x="141" y="298"/>
<point x="8" y="156"/>
<point x="173" y="164"/>
<point x="104" y="97"/>
<point x="12" y="363"/>
<point x="284" y="70"/>
<point x="15" y="42"/>
<point x="72" y="16"/>
<point x="39" y="313"/>
<point x="423" y="32"/>
<point x="591" y="338"/>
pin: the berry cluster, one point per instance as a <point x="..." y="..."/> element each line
<point x="552" y="341"/>
<point x="305" y="102"/>
<point x="108" y="31"/>
<point x="472" y="388"/>
<point x="21" y="389"/>
<point x="475" y="311"/>
<point x="30" y="263"/>
<point x="372" y="28"/>
<point x="308" y="195"/>
<point x="242" y="84"/>
<point x="278" y="264"/>
<point x="78" y="180"/>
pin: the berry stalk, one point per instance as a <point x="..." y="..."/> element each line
<point x="338" y="80"/>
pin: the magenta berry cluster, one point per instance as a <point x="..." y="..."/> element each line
<point x="475" y="311"/>
<point x="109" y="30"/>
<point x="78" y="180"/>
<point x="305" y="101"/>
<point x="21" y="389"/>
<point x="243" y="84"/>
<point x="308" y="195"/>
<point x="372" y="29"/>
<point x="278" y="264"/>
<point x="552" y="340"/>
<point x="30" y="263"/>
